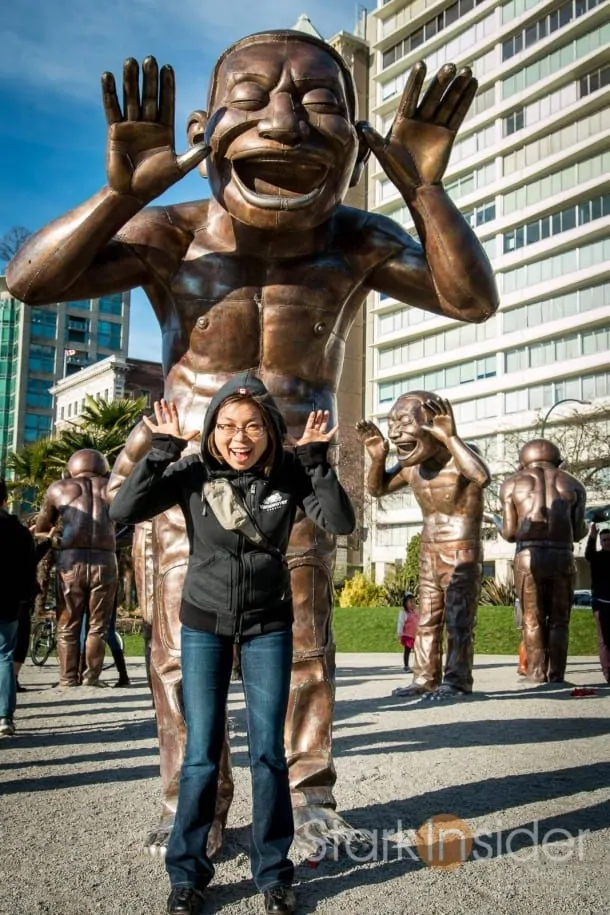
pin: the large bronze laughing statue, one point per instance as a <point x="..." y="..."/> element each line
<point x="268" y="275"/>
<point x="447" y="477"/>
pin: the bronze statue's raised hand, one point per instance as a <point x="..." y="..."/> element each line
<point x="167" y="423"/>
<point x="442" y="426"/>
<point x="141" y="159"/>
<point x="315" y="428"/>
<point x="372" y="438"/>
<point x="417" y="147"/>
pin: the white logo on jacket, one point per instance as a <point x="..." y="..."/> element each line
<point x="273" y="501"/>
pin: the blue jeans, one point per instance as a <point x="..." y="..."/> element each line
<point x="111" y="639"/>
<point x="8" y="693"/>
<point x="206" y="671"/>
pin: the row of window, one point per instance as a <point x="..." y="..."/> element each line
<point x="578" y="214"/>
<point x="580" y="258"/>
<point x="444" y="342"/>
<point x="553" y="143"/>
<point x="428" y="30"/>
<point x="525" y="77"/>
<point x="563" y="306"/>
<point x="538" y="397"/>
<point x="560" y="349"/>
<point x="541" y="28"/>
<point x="515" y="8"/>
<point x="543" y="396"/>
<point x="108" y="304"/>
<point x="563" y="180"/>
<point x="395" y="535"/>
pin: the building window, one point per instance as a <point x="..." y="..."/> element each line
<point x="81" y="305"/>
<point x="61" y="413"/>
<point x="539" y="30"/>
<point x="36" y="427"/>
<point x="41" y="359"/>
<point x="111" y="304"/>
<point x="598" y="79"/>
<point x="43" y="323"/>
<point x="37" y="394"/>
<point x="563" y="221"/>
<point x="78" y="330"/>
<point x="109" y="335"/>
<point x="514" y="121"/>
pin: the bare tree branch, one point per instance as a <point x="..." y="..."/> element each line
<point x="11" y="241"/>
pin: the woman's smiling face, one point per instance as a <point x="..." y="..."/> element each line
<point x="240" y="435"/>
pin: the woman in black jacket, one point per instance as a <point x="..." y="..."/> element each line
<point x="239" y="498"/>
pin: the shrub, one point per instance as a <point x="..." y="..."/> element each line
<point x="496" y="593"/>
<point x="361" y="591"/>
<point x="396" y="583"/>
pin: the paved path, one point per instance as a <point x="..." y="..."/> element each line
<point x="526" y="769"/>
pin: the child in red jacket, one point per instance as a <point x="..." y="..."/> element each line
<point x="408" y="620"/>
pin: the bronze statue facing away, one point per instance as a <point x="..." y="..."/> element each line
<point x="87" y="573"/>
<point x="268" y="275"/>
<point x="543" y="512"/>
<point x="447" y="478"/>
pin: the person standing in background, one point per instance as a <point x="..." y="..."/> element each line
<point x="599" y="563"/>
<point x="406" y="627"/>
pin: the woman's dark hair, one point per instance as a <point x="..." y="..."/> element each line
<point x="269" y="457"/>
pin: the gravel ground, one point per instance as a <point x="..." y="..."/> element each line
<point x="79" y="787"/>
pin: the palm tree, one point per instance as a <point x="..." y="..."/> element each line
<point x="103" y="425"/>
<point x="33" y="468"/>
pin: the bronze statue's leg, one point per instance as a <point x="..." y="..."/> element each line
<point x="170" y="548"/>
<point x="428" y="648"/>
<point x="522" y="665"/>
<point x="103" y="585"/>
<point x="308" y="732"/>
<point x="72" y="600"/>
<point x="562" y="584"/>
<point x="534" y="617"/>
<point x="142" y="561"/>
<point x="461" y="600"/>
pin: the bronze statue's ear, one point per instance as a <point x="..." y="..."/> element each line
<point x="195" y="131"/>
<point x="364" y="152"/>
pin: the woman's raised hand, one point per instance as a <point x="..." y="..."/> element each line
<point x="167" y="423"/>
<point x="315" y="428"/>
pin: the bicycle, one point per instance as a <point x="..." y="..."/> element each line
<point x="44" y="641"/>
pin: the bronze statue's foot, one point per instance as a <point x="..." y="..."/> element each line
<point x="319" y="832"/>
<point x="446" y="691"/>
<point x="157" y="839"/>
<point x="413" y="691"/>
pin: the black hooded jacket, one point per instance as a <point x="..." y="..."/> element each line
<point x="17" y="566"/>
<point x="232" y="587"/>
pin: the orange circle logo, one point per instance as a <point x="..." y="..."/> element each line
<point x="444" y="841"/>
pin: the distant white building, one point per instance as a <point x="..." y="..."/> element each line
<point x="111" y="379"/>
<point x="530" y="170"/>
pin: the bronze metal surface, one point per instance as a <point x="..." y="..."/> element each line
<point x="268" y="274"/>
<point x="544" y="514"/>
<point x="447" y="478"/>
<point x="87" y="571"/>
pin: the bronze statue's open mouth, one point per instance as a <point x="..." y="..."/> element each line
<point x="406" y="447"/>
<point x="276" y="183"/>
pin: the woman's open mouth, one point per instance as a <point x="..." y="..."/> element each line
<point x="277" y="183"/>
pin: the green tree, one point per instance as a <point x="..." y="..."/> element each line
<point x="411" y="569"/>
<point x="103" y="425"/>
<point x="32" y="469"/>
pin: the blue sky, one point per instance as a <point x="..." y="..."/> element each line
<point x="53" y="130"/>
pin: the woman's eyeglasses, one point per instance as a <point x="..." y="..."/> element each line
<point x="250" y="430"/>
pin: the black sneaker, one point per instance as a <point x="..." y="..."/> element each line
<point x="184" y="900"/>
<point x="7" y="727"/>
<point x="280" y="900"/>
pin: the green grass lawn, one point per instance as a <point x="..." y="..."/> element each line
<point x="361" y="629"/>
